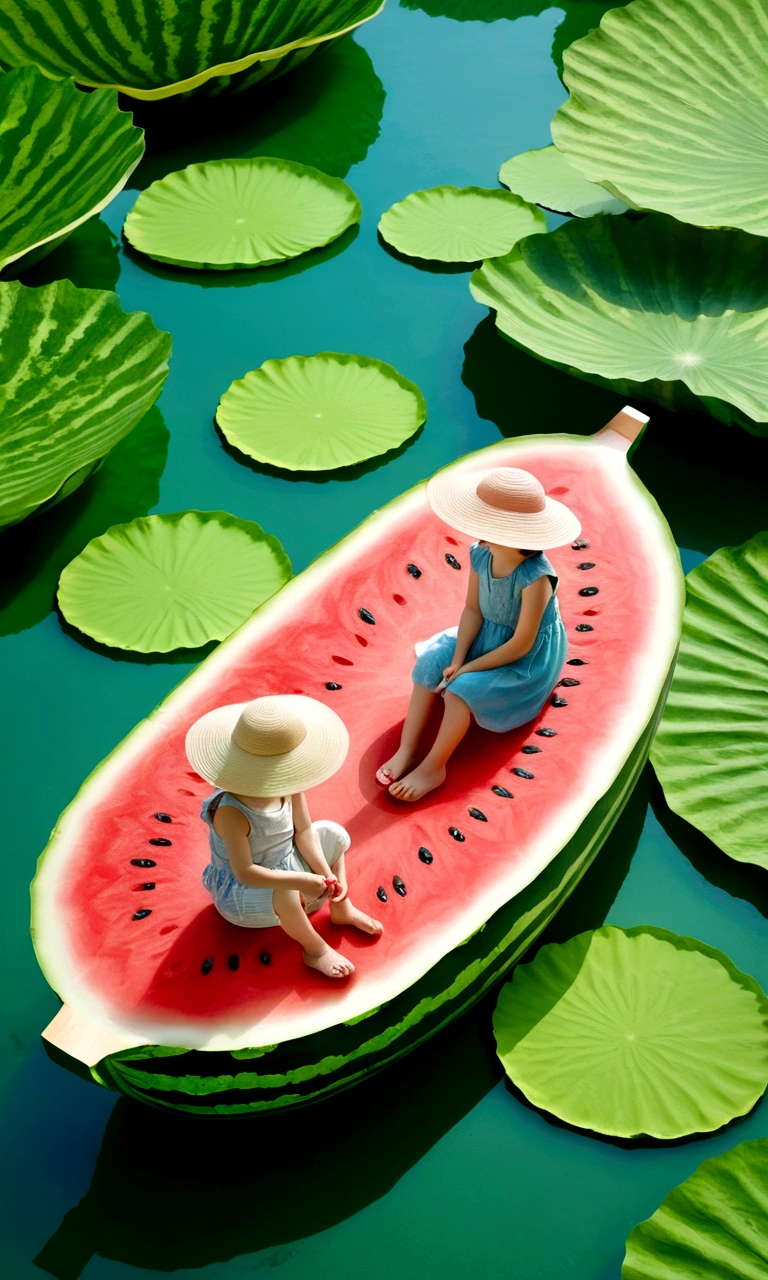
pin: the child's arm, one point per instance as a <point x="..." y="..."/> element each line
<point x="469" y="625"/>
<point x="533" y="602"/>
<point x="232" y="826"/>
<point x="308" y="845"/>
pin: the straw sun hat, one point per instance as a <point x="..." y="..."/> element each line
<point x="506" y="506"/>
<point x="272" y="746"/>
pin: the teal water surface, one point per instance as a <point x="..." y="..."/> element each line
<point x="434" y="1166"/>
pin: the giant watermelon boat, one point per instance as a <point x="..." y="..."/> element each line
<point x="166" y="1002"/>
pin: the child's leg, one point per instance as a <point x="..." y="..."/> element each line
<point x="334" y="842"/>
<point x="289" y="910"/>
<point x="418" y="714"/>
<point x="431" y="771"/>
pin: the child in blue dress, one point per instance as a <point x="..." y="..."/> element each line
<point x="506" y="655"/>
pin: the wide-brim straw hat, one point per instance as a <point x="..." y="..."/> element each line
<point x="272" y="746"/>
<point x="506" y="506"/>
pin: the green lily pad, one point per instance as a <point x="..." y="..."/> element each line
<point x="635" y="1031"/>
<point x="227" y="214"/>
<point x="647" y="306"/>
<point x="317" y="413"/>
<point x="156" y="50"/>
<point x="546" y="177"/>
<point x="172" y="581"/>
<point x="63" y="156"/>
<point x="711" y="750"/>
<point x="77" y="373"/>
<point x="669" y="108"/>
<point x="712" y="1226"/>
<point x="459" y="224"/>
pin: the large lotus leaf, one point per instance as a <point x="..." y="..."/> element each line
<point x="240" y="213"/>
<point x="648" y="305"/>
<point x="151" y="49"/>
<point x="64" y="155"/>
<point x="546" y="178"/>
<point x="635" y="1031"/>
<point x="317" y="413"/>
<point x="712" y="1227"/>
<point x="459" y="224"/>
<point x="669" y="105"/>
<point x="711" y="751"/>
<point x="172" y="581"/>
<point x="76" y="375"/>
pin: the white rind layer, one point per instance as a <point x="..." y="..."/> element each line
<point x="366" y="993"/>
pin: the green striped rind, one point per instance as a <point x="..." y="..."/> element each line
<point x="711" y="752"/>
<point x="155" y="50"/>
<point x="77" y="373"/>
<point x="64" y="155"/>
<point x="712" y="1226"/>
<point x="669" y="109"/>
<point x="302" y="1070"/>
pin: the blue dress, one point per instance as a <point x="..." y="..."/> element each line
<point x="503" y="697"/>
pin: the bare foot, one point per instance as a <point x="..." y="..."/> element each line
<point x="415" y="785"/>
<point x="330" y="963"/>
<point x="395" y="768"/>
<point x="347" y="914"/>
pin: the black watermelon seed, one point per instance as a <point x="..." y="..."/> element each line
<point x="331" y="684"/>
<point x="477" y="814"/>
<point x="521" y="773"/>
<point x="577" y="662"/>
<point x="502" y="791"/>
<point x="398" y="886"/>
<point x="589" y="591"/>
<point x="161" y="840"/>
<point x="452" y="561"/>
<point x="530" y="750"/>
<point x="265" y="957"/>
<point x="457" y="835"/>
<point x="163" y="817"/>
<point x="585" y="564"/>
<point x="149" y="885"/>
<point x="140" y="915"/>
<point x="567" y="683"/>
<point x="559" y="702"/>
<point x="234" y="963"/>
<point x="366" y="616"/>
<point x="584" y="626"/>
<point x="142" y="862"/>
<point x="381" y="894"/>
<point x="414" y="570"/>
<point x="547" y="733"/>
<point x="579" y="544"/>
<point x="425" y="855"/>
<point x="207" y="965"/>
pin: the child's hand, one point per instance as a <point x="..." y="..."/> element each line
<point x="450" y="673"/>
<point x="312" y="886"/>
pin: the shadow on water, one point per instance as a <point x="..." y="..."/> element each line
<point x="325" y="113"/>
<point x="89" y="258"/>
<point x="316" y="477"/>
<point x="427" y="264"/>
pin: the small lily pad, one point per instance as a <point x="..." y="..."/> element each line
<point x="171" y="581"/>
<point x="317" y="413"/>
<point x="229" y="214"/>
<point x="548" y="179"/>
<point x="635" y="1031"/>
<point x="459" y="224"/>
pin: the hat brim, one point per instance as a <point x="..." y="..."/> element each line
<point x="455" y="500"/>
<point x="213" y="754"/>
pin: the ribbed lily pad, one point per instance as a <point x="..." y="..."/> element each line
<point x="459" y="224"/>
<point x="669" y="106"/>
<point x="153" y="50"/>
<point x="648" y="306"/>
<point x="635" y="1031"/>
<point x="711" y="1227"/>
<point x="546" y="177"/>
<point x="172" y="581"/>
<point x="64" y="155"/>
<point x="711" y="751"/>
<point x="77" y="373"/>
<point x="240" y="213"/>
<point x="317" y="413"/>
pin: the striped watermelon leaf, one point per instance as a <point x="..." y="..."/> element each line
<point x="77" y="373"/>
<point x="149" y="49"/>
<point x="64" y="155"/>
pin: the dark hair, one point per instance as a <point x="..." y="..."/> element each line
<point x="527" y="553"/>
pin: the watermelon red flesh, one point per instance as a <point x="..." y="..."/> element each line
<point x="149" y="980"/>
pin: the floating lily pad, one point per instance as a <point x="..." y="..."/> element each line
<point x="647" y="306"/>
<point x="712" y="1226"/>
<point x="240" y="213"/>
<point x="669" y="108"/>
<point x="172" y="581"/>
<point x="317" y="413"/>
<point x="711" y="750"/>
<point x="64" y="155"/>
<point x="155" y="50"/>
<point x="635" y="1031"/>
<point x="77" y="374"/>
<point x="459" y="224"/>
<point x="547" y="178"/>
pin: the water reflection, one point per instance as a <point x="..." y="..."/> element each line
<point x="89" y="258"/>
